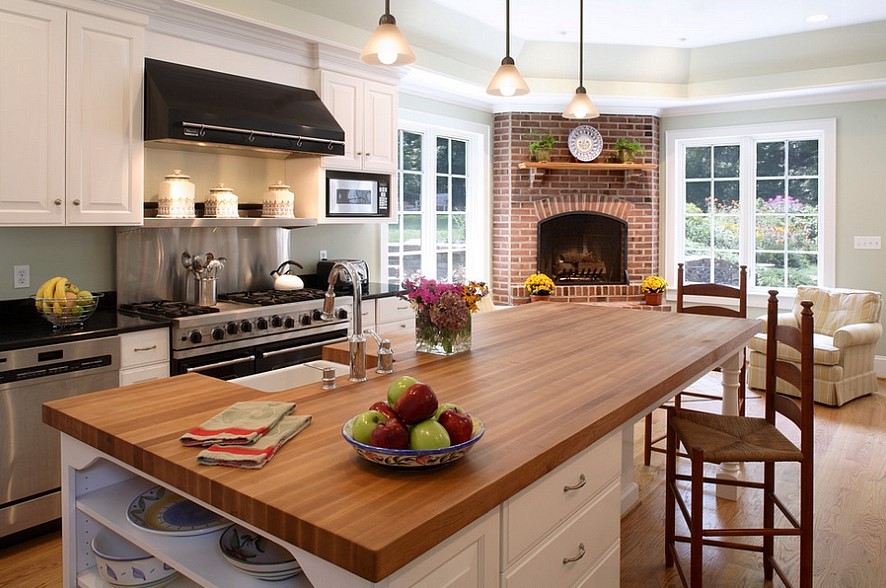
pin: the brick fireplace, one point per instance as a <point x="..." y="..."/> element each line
<point x="522" y="200"/>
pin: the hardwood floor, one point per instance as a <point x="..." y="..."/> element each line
<point x="850" y="504"/>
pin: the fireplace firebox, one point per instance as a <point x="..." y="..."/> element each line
<point x="583" y="248"/>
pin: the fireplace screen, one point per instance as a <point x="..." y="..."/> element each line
<point x="583" y="248"/>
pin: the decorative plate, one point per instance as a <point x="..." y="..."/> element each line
<point x="412" y="458"/>
<point x="585" y="143"/>
<point x="251" y="551"/>
<point x="159" y="510"/>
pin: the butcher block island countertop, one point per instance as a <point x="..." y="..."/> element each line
<point x="548" y="381"/>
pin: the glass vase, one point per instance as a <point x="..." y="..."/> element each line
<point x="430" y="338"/>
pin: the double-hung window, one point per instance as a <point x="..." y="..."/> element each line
<point x="440" y="231"/>
<point x="761" y="196"/>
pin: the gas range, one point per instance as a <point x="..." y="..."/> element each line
<point x="243" y="319"/>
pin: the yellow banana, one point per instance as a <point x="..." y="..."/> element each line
<point x="57" y="306"/>
<point x="47" y="289"/>
<point x="69" y="287"/>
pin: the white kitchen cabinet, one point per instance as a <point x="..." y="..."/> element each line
<point x="144" y="355"/>
<point x="71" y="150"/>
<point x="393" y="315"/>
<point x="564" y="529"/>
<point x="367" y="112"/>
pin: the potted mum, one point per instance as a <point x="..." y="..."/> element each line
<point x="654" y="288"/>
<point x="443" y="313"/>
<point x="539" y="286"/>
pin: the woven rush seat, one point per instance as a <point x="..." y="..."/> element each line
<point x="733" y="438"/>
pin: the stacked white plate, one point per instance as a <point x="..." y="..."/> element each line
<point x="256" y="556"/>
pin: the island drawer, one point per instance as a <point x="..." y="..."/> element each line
<point x="554" y="498"/>
<point x="585" y="547"/>
<point x="144" y="347"/>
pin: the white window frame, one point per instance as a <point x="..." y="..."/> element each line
<point x="676" y="141"/>
<point x="478" y="240"/>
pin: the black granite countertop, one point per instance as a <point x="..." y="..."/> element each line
<point x="22" y="326"/>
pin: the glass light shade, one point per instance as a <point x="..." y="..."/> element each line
<point x="507" y="81"/>
<point x="581" y="106"/>
<point x="387" y="46"/>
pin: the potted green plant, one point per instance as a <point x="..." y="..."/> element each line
<point x="627" y="149"/>
<point x="540" y="148"/>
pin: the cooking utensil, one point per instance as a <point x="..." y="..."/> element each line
<point x="287" y="280"/>
<point x="209" y="257"/>
<point x="186" y="259"/>
<point x="213" y="268"/>
<point x="198" y="264"/>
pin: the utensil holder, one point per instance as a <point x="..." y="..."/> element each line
<point x="206" y="292"/>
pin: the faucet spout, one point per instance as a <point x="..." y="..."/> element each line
<point x="356" y="340"/>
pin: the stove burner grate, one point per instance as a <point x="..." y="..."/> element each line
<point x="166" y="309"/>
<point x="272" y="297"/>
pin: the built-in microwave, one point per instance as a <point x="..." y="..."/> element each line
<point x="357" y="194"/>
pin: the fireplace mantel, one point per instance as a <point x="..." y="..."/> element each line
<point x="537" y="168"/>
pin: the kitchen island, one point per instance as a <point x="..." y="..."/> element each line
<point x="554" y="385"/>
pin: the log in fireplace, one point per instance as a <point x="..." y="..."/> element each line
<point x="583" y="248"/>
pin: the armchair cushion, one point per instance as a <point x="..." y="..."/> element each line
<point x="837" y="307"/>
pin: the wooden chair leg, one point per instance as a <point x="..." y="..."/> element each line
<point x="768" y="517"/>
<point x="647" y="440"/>
<point x="696" y="509"/>
<point x="670" y="498"/>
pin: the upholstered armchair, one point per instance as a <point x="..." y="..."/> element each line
<point x="847" y="328"/>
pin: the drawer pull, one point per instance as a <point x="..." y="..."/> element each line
<point x="581" y="554"/>
<point x="581" y="482"/>
<point x="138" y="349"/>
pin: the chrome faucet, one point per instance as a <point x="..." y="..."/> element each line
<point x="385" y="354"/>
<point x="356" y="340"/>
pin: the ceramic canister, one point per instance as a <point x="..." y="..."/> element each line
<point x="176" y="196"/>
<point x="221" y="202"/>
<point x="278" y="202"/>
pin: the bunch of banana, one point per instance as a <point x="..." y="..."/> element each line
<point x="58" y="294"/>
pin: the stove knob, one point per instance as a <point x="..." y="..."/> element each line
<point x="276" y="321"/>
<point x="342" y="313"/>
<point x="232" y="328"/>
<point x="305" y="319"/>
<point x="218" y="333"/>
<point x="262" y="324"/>
<point x="195" y="337"/>
<point x="317" y="315"/>
<point x="246" y="327"/>
<point x="289" y="322"/>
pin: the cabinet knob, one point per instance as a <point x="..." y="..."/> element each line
<point x="581" y="482"/>
<point x="57" y="202"/>
<point x="581" y="554"/>
<point x="368" y="154"/>
<point x="76" y="202"/>
<point x="359" y="153"/>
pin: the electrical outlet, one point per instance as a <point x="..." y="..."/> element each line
<point x="867" y="242"/>
<point x="21" y="276"/>
<point x="323" y="256"/>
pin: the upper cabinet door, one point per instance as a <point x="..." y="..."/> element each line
<point x="105" y="162"/>
<point x="32" y="113"/>
<point x="367" y="112"/>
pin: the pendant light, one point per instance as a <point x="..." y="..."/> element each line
<point x="387" y="46"/>
<point x="507" y="80"/>
<point x="581" y="105"/>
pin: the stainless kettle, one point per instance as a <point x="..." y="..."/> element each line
<point x="287" y="280"/>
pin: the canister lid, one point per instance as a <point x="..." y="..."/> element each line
<point x="221" y="188"/>
<point x="177" y="175"/>
<point x="278" y="186"/>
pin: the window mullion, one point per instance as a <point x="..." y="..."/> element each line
<point x="747" y="189"/>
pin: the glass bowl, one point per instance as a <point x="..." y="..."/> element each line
<point x="412" y="458"/>
<point x="66" y="312"/>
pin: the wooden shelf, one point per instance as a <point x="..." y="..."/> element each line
<point x="537" y="169"/>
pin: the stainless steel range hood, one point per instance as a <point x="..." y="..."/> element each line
<point x="191" y="106"/>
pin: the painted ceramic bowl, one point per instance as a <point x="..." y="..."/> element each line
<point x="255" y="555"/>
<point x="412" y="458"/>
<point x="120" y="563"/>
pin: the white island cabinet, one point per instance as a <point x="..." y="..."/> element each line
<point x="71" y="114"/>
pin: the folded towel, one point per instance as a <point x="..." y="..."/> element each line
<point x="239" y="424"/>
<point x="257" y="454"/>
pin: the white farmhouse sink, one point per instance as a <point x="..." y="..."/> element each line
<point x="291" y="377"/>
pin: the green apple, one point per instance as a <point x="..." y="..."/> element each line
<point x="364" y="423"/>
<point x="84" y="298"/>
<point x="428" y="434"/>
<point x="398" y="387"/>
<point x="443" y="406"/>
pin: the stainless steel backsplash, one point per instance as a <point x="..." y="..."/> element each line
<point x="149" y="265"/>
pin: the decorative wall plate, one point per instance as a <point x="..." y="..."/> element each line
<point x="585" y="143"/>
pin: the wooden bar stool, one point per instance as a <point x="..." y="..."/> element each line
<point x="714" y="438"/>
<point x="736" y="295"/>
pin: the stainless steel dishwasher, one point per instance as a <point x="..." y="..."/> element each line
<point x="30" y="467"/>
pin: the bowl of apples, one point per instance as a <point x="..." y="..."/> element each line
<point x="412" y="429"/>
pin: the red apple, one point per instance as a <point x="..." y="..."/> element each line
<point x="457" y="423"/>
<point x="391" y="434"/>
<point x="416" y="404"/>
<point x="384" y="408"/>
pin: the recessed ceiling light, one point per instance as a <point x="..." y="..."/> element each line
<point x="817" y="18"/>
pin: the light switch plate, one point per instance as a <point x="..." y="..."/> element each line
<point x="867" y="242"/>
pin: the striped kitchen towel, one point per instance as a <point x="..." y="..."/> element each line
<point x="239" y="424"/>
<point x="256" y="454"/>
